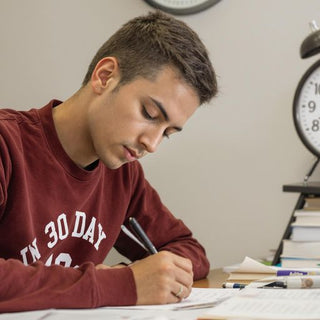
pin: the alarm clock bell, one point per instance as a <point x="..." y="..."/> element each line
<point x="311" y="44"/>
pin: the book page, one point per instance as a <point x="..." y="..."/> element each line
<point x="249" y="265"/>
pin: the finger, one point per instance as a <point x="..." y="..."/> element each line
<point x="181" y="293"/>
<point x="183" y="273"/>
<point x="184" y="291"/>
<point x="183" y="263"/>
<point x="184" y="278"/>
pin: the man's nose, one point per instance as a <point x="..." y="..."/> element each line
<point x="151" y="140"/>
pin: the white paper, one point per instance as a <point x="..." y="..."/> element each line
<point x="269" y="304"/>
<point x="174" y="311"/>
<point x="198" y="297"/>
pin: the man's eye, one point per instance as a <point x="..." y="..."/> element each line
<point x="146" y="114"/>
<point x="166" y="135"/>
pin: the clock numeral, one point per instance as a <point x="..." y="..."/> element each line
<point x="317" y="88"/>
<point x="311" y="106"/>
<point x="315" y="125"/>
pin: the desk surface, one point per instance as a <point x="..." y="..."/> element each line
<point x="215" y="279"/>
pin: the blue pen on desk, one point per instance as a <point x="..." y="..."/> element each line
<point x="232" y="285"/>
<point x="142" y="235"/>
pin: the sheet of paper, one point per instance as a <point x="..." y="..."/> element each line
<point x="187" y="309"/>
<point x="121" y="314"/>
<point x="197" y="298"/>
<point x="28" y="315"/>
<point x="269" y="304"/>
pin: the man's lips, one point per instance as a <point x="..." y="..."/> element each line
<point x="130" y="154"/>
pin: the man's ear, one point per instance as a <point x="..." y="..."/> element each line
<point x="105" y="73"/>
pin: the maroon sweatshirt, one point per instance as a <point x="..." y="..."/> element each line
<point x="57" y="221"/>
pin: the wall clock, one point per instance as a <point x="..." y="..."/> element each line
<point x="182" y="7"/>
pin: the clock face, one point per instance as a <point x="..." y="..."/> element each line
<point x="306" y="109"/>
<point x="182" y="6"/>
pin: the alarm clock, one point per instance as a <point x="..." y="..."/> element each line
<point x="306" y="103"/>
<point x="182" y="7"/>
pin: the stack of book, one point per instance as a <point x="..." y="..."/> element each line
<point x="303" y="247"/>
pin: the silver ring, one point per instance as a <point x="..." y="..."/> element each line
<point x="178" y="294"/>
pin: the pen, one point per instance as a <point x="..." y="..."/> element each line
<point x="133" y="237"/>
<point x="233" y="285"/>
<point x="275" y="284"/>
<point x="142" y="235"/>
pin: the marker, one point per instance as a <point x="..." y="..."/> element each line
<point x="142" y="235"/>
<point x="294" y="282"/>
<point x="232" y="285"/>
<point x="281" y="273"/>
<point x="303" y="282"/>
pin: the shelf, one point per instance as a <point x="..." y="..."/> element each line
<point x="309" y="187"/>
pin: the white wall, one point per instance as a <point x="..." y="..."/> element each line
<point x="224" y="174"/>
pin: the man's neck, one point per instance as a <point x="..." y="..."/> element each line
<point x="70" y="119"/>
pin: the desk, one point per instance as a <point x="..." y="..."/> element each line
<point x="215" y="279"/>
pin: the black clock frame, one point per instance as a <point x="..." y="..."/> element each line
<point x="183" y="11"/>
<point x="297" y="121"/>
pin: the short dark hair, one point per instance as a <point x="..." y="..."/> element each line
<point x="146" y="44"/>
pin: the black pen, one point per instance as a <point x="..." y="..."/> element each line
<point x="142" y="235"/>
<point x="275" y="284"/>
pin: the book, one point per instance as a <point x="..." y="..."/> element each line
<point x="296" y="262"/>
<point x="305" y="232"/>
<point x="307" y="217"/>
<point x="301" y="249"/>
<point x="312" y="203"/>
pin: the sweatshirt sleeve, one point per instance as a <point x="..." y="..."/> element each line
<point x="39" y="287"/>
<point x="164" y="230"/>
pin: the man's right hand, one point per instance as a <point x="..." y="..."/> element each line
<point x="162" y="278"/>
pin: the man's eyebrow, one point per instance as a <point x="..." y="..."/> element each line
<point x="164" y="112"/>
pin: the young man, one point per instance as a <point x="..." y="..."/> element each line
<point x="69" y="177"/>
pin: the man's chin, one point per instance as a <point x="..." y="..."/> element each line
<point x="113" y="165"/>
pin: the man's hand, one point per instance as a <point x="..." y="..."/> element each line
<point x="162" y="278"/>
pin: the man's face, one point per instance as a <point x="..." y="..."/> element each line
<point x="127" y="123"/>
